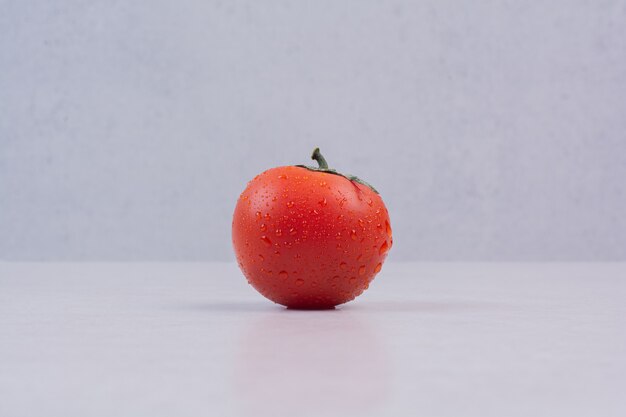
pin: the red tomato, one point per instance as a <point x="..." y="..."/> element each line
<point x="310" y="238"/>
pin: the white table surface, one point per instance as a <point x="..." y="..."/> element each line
<point x="425" y="340"/>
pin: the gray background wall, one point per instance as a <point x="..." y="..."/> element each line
<point x="495" y="130"/>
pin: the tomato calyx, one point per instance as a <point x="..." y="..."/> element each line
<point x="323" y="167"/>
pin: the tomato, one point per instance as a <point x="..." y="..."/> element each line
<point x="310" y="238"/>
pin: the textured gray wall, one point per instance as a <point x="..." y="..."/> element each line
<point x="495" y="130"/>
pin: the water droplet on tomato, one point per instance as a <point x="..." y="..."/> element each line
<point x="362" y="270"/>
<point x="282" y="177"/>
<point x="279" y="232"/>
<point x="263" y="227"/>
<point x="290" y="204"/>
<point x="258" y="215"/>
<point x="353" y="234"/>
<point x="262" y="258"/>
<point x="283" y="274"/>
<point x="388" y="228"/>
<point x="323" y="202"/>
<point x="343" y="266"/>
<point x="369" y="201"/>
<point x="293" y="232"/>
<point x="322" y="183"/>
<point x="266" y="240"/>
<point x="378" y="268"/>
<point x="299" y="282"/>
<point x="383" y="248"/>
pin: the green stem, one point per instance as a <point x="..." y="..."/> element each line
<point x="323" y="167"/>
<point x="317" y="156"/>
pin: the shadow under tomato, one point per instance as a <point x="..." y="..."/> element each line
<point x="424" y="307"/>
<point x="230" y="307"/>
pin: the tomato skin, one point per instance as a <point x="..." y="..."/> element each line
<point x="309" y="239"/>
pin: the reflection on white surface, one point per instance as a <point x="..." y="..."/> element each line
<point x="310" y="363"/>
